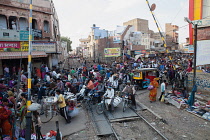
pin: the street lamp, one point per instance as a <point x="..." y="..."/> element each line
<point x="192" y="99"/>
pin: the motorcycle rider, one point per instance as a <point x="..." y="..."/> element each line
<point x="109" y="95"/>
<point x="129" y="89"/>
<point x="100" y="90"/>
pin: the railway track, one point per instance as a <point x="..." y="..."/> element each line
<point x="139" y="127"/>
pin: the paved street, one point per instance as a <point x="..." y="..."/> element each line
<point x="78" y="123"/>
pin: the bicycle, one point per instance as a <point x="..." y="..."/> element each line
<point x="89" y="100"/>
<point x="100" y="108"/>
<point x="49" y="112"/>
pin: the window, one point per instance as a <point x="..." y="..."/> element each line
<point x="13" y="22"/>
<point x="34" y="24"/>
<point x="3" y="22"/>
<point x="23" y="23"/>
<point x="46" y="26"/>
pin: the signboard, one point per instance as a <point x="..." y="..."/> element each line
<point x="137" y="52"/>
<point x="47" y="47"/>
<point x="189" y="49"/>
<point x="202" y="22"/>
<point x="6" y="44"/>
<point x="24" y="35"/>
<point x="203" y="52"/>
<point x="117" y="39"/>
<point x="112" y="52"/>
<point x="143" y="51"/>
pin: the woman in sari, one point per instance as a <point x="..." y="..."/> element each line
<point x="5" y="125"/>
<point x="153" y="92"/>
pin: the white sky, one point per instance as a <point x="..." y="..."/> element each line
<point x="77" y="16"/>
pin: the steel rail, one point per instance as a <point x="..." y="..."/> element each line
<point x="150" y="125"/>
<point x="114" y="132"/>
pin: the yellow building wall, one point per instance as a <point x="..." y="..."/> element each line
<point x="198" y="9"/>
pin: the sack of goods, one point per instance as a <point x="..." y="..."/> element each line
<point x="34" y="107"/>
<point x="117" y="101"/>
<point x="150" y="87"/>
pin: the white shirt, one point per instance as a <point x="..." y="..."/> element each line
<point x="58" y="75"/>
<point x="115" y="84"/>
<point x="54" y="73"/>
<point x="110" y="94"/>
<point x="46" y="69"/>
<point x="48" y="78"/>
<point x="163" y="87"/>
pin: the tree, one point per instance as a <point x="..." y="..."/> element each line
<point x="69" y="42"/>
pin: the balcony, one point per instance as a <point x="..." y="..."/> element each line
<point x="18" y="35"/>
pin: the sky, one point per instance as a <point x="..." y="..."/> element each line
<point x="76" y="17"/>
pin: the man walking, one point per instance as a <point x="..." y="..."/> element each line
<point x="163" y="88"/>
<point x="62" y="106"/>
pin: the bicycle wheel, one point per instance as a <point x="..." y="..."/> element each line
<point x="125" y="105"/>
<point x="99" y="108"/>
<point x="48" y="115"/>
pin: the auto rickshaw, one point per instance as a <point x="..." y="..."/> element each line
<point x="143" y="77"/>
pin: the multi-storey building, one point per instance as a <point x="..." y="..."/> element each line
<point x="85" y="45"/>
<point x="171" y="36"/>
<point x="14" y="33"/>
<point x="140" y="25"/>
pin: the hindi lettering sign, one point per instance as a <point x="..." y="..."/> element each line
<point x="7" y="44"/>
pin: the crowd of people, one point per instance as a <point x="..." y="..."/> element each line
<point x="103" y="79"/>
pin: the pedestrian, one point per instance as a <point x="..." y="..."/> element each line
<point x="62" y="106"/>
<point x="6" y="71"/>
<point x="162" y="89"/>
<point x="153" y="92"/>
<point x="41" y="92"/>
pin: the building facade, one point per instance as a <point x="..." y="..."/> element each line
<point x="14" y="33"/>
<point x="140" y="25"/>
<point x="171" y="36"/>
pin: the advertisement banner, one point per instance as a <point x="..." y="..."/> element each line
<point x="189" y="49"/>
<point x="112" y="52"/>
<point x="47" y="47"/>
<point x="203" y="52"/>
<point x="137" y="52"/>
<point x="143" y="51"/>
<point x="7" y="44"/>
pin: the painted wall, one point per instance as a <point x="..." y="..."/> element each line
<point x="202" y="82"/>
<point x="195" y="13"/>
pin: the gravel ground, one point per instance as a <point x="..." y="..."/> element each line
<point x="180" y="123"/>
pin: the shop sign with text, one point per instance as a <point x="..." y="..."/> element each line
<point x="6" y="44"/>
<point x="47" y="47"/>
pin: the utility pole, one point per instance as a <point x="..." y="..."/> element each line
<point x="195" y="53"/>
<point x="123" y="47"/>
<point x="28" y="115"/>
<point x="194" y="88"/>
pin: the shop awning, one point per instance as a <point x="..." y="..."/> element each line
<point x="17" y="55"/>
